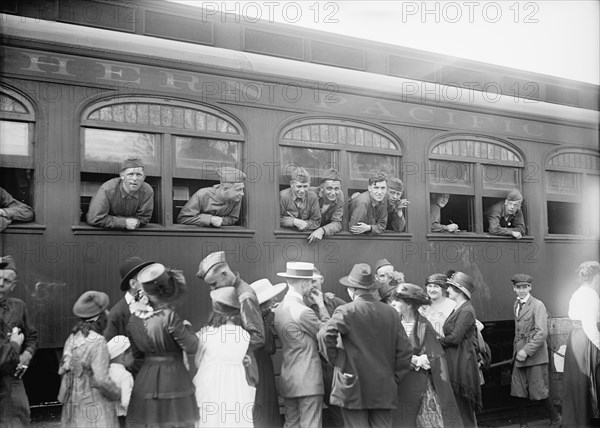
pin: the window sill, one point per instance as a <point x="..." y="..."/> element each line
<point x="569" y="238"/>
<point x="175" y="230"/>
<point x="344" y="235"/>
<point x="472" y="236"/>
<point x="25" y="229"/>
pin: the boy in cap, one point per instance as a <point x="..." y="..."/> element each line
<point x="12" y="210"/>
<point x="368" y="211"/>
<point x="396" y="205"/>
<point x="331" y="203"/>
<point x="218" y="205"/>
<point x="298" y="205"/>
<point x="506" y="218"/>
<point x="121" y="357"/>
<point x="530" y="352"/>
<point x="125" y="202"/>
<point x="14" y="314"/>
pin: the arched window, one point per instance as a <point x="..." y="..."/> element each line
<point x="182" y="145"/>
<point x="572" y="192"/>
<point x="476" y="172"/>
<point x="17" y="130"/>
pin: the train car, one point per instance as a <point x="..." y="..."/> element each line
<point x="86" y="84"/>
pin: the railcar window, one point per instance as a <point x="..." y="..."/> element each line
<point x="182" y="146"/>
<point x="572" y="193"/>
<point x="17" y="121"/>
<point x="475" y="172"/>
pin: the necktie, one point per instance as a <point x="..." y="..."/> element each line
<point x="519" y="307"/>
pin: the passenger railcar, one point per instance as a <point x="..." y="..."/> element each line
<point x="82" y="91"/>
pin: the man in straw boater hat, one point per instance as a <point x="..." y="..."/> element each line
<point x="374" y="357"/>
<point x="119" y="314"/>
<point x="506" y="217"/>
<point x="215" y="271"/>
<point x="124" y="202"/>
<point x="301" y="382"/>
<point x="331" y="203"/>
<point x="530" y="351"/>
<point x="298" y="205"/>
<point x="218" y="205"/>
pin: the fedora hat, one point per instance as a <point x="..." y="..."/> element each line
<point x="90" y="304"/>
<point x="412" y="293"/>
<point x="360" y="277"/>
<point x="299" y="270"/>
<point x="8" y="263"/>
<point x="129" y="268"/>
<point x="463" y="282"/>
<point x="265" y="291"/>
<point x="209" y="262"/>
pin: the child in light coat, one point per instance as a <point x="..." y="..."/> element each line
<point x="120" y="358"/>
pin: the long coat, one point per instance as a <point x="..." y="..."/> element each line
<point x="118" y="318"/>
<point x="531" y="331"/>
<point x="376" y="355"/>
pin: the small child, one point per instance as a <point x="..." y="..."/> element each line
<point x="120" y="358"/>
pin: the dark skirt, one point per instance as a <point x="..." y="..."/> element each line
<point x="581" y="379"/>
<point x="266" y="405"/>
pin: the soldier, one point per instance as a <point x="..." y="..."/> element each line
<point x="12" y="210"/>
<point x="396" y="205"/>
<point x="218" y="205"/>
<point x="387" y="279"/>
<point x="331" y="202"/>
<point x="368" y="211"/>
<point x="437" y="202"/>
<point x="299" y="206"/>
<point x="506" y="218"/>
<point x="125" y="202"/>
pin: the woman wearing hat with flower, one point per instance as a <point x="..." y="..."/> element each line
<point x="441" y="306"/>
<point x="460" y="337"/>
<point x="163" y="393"/>
<point x="425" y="394"/>
<point x="223" y="390"/>
<point x="86" y="391"/>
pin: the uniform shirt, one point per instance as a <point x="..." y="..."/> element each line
<point x="500" y="225"/>
<point x="289" y="209"/>
<point x="207" y="202"/>
<point x="14" y="209"/>
<point x="362" y="210"/>
<point x="111" y="205"/>
<point x="331" y="217"/>
<point x="435" y="213"/>
<point x="14" y="314"/>
<point x="395" y="222"/>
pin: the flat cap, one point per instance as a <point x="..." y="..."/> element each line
<point x="521" y="279"/>
<point x="514" y="195"/>
<point x="228" y="174"/>
<point x="209" y="262"/>
<point x="8" y="263"/>
<point x="395" y="184"/>
<point x="132" y="163"/>
<point x="300" y="175"/>
<point x="331" y="174"/>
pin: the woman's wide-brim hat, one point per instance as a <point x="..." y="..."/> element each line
<point x="90" y="304"/>
<point x="225" y="300"/>
<point x="300" y="270"/>
<point x="265" y="291"/>
<point x="437" y="279"/>
<point x="463" y="282"/>
<point x="360" y="277"/>
<point x="412" y="293"/>
<point x="129" y="268"/>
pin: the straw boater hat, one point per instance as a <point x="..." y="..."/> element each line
<point x="360" y="277"/>
<point x="463" y="282"/>
<point x="209" y="262"/>
<point x="129" y="268"/>
<point x="299" y="270"/>
<point x="265" y="291"/>
<point x="413" y="293"/>
<point x="90" y="304"/>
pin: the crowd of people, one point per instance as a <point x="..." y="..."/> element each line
<point x="396" y="354"/>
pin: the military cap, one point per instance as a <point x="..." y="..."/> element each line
<point x="90" y="304"/>
<point x="395" y="184"/>
<point x="209" y="262"/>
<point x="300" y="175"/>
<point x="132" y="163"/>
<point x="514" y="195"/>
<point x="231" y="175"/>
<point x="332" y="175"/>
<point x="8" y="263"/>
<point x="381" y="263"/>
<point x="521" y="279"/>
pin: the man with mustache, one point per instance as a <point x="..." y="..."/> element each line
<point x="125" y="202"/>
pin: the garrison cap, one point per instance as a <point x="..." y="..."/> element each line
<point x="8" y="263"/>
<point x="300" y="175"/>
<point x="521" y="279"/>
<point x="209" y="262"/>
<point x="395" y="184"/>
<point x="332" y="175"/>
<point x="132" y="163"/>
<point x="514" y="195"/>
<point x="228" y="174"/>
<point x="381" y="263"/>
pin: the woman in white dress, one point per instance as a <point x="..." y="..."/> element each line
<point x="224" y="396"/>
<point x="441" y="306"/>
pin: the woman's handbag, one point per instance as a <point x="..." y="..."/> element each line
<point x="430" y="411"/>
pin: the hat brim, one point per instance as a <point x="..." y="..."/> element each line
<point x="131" y="273"/>
<point x="276" y="290"/>
<point x="344" y="281"/>
<point x="461" y="288"/>
<point x="418" y="300"/>
<point x="286" y="275"/>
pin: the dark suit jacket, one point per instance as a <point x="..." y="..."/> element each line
<point x="531" y="331"/>
<point x="118" y="318"/>
<point x="377" y="354"/>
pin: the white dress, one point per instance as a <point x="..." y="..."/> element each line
<point x="224" y="397"/>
